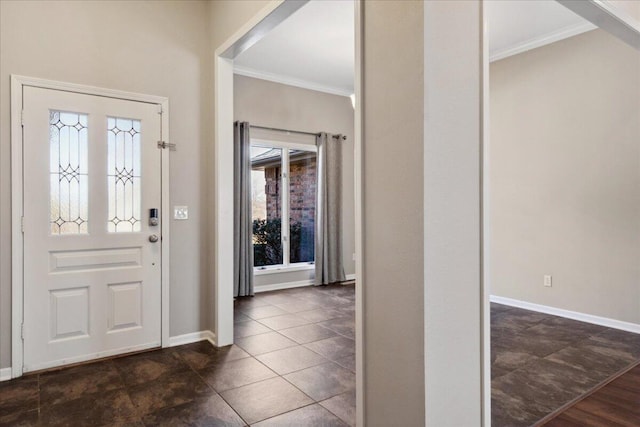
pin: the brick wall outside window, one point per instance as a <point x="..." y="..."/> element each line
<point x="302" y="202"/>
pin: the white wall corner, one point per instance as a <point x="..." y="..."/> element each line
<point x="574" y="315"/>
<point x="192" y="337"/>
<point x="5" y="374"/>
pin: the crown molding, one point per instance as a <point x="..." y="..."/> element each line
<point x="546" y="39"/>
<point x="289" y="81"/>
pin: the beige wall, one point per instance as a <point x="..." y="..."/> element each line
<point x="271" y="104"/>
<point x="565" y="176"/>
<point x="393" y="212"/>
<point x="159" y="48"/>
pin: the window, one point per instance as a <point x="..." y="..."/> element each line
<point x="123" y="175"/>
<point x="68" y="159"/>
<point x="283" y="189"/>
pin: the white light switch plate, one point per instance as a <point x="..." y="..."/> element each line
<point x="180" y="212"/>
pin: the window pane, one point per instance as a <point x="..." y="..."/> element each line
<point x="302" y="205"/>
<point x="266" y="173"/>
<point x="68" y="171"/>
<point x="123" y="175"/>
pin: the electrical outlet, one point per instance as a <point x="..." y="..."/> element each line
<point x="547" y="281"/>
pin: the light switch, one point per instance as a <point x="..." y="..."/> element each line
<point x="181" y="212"/>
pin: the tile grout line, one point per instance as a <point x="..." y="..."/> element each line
<point x="216" y="391"/>
<point x="328" y="361"/>
<point x="39" y="398"/>
<point x="126" y="390"/>
<point x="276" y="375"/>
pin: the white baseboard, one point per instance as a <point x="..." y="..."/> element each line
<point x="5" y="374"/>
<point x="350" y="277"/>
<point x="193" y="337"/>
<point x="285" y="285"/>
<point x="588" y="318"/>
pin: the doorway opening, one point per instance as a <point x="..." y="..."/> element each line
<point x="562" y="140"/>
<point x="287" y="117"/>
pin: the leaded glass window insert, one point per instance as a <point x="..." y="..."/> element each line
<point x="123" y="175"/>
<point x="68" y="173"/>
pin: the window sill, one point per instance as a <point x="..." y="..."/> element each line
<point x="282" y="269"/>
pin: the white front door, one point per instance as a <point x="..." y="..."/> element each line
<point x="92" y="273"/>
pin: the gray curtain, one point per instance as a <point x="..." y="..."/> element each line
<point x="242" y="224"/>
<point x="328" y="254"/>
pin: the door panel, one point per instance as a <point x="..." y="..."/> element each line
<point x="92" y="279"/>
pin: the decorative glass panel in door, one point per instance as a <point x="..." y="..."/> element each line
<point x="123" y="174"/>
<point x="68" y="168"/>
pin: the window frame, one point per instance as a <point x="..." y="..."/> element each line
<point x="286" y="265"/>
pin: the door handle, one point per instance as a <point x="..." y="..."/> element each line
<point x="153" y="238"/>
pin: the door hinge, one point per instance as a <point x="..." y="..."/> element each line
<point x="22" y="332"/>
<point x="163" y="145"/>
<point x="22" y="224"/>
<point x="160" y="109"/>
<point x="22" y="117"/>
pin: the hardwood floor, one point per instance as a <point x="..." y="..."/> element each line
<point x="617" y="404"/>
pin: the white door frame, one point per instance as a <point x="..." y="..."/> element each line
<point x="271" y="15"/>
<point x="17" y="201"/>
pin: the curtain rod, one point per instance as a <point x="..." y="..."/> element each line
<point x="296" y="131"/>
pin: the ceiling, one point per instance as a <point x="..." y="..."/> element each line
<point x="315" y="45"/>
<point x="314" y="48"/>
<point x="517" y="26"/>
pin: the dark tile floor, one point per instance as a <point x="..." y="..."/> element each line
<point x="541" y="362"/>
<point x="293" y="364"/>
